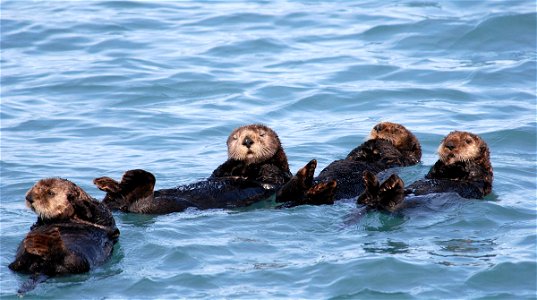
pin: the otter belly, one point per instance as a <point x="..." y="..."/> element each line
<point x="348" y="175"/>
<point x="465" y="189"/>
<point x="63" y="248"/>
<point x="212" y="193"/>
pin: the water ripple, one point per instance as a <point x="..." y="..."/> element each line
<point x="95" y="88"/>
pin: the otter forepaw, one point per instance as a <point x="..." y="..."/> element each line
<point x="44" y="243"/>
<point x="107" y="184"/>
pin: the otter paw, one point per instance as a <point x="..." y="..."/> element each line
<point x="304" y="176"/>
<point x="322" y="193"/>
<point x="107" y="184"/>
<point x="44" y="243"/>
<point x="392" y="193"/>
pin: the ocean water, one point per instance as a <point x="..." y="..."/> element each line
<point x="94" y="88"/>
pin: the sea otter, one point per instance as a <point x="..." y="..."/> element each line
<point x="73" y="232"/>
<point x="389" y="145"/>
<point x="463" y="167"/>
<point x="255" y="153"/>
<point x="256" y="168"/>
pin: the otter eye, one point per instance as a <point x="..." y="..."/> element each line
<point x="50" y="193"/>
<point x="262" y="134"/>
<point x="468" y="141"/>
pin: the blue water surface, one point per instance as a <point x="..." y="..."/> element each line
<point x="94" y="88"/>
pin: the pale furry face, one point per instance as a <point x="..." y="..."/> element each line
<point x="49" y="198"/>
<point x="252" y="144"/>
<point x="397" y="134"/>
<point x="459" y="146"/>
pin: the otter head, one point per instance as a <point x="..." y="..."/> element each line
<point x="54" y="198"/>
<point x="252" y="144"/>
<point x="461" y="146"/>
<point x="398" y="135"/>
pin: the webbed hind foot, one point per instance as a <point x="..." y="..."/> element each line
<point x="135" y="185"/>
<point x="322" y="193"/>
<point x="387" y="196"/>
<point x="299" y="184"/>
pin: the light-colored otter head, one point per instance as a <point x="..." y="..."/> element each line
<point x="253" y="143"/>
<point x="53" y="198"/>
<point x="463" y="146"/>
<point x="397" y="134"/>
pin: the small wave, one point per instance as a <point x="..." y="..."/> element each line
<point x="497" y="34"/>
<point x="248" y="47"/>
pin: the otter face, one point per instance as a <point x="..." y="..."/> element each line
<point x="252" y="143"/>
<point x="397" y="134"/>
<point x="49" y="198"/>
<point x="460" y="146"/>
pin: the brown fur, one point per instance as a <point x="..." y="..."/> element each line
<point x="73" y="232"/>
<point x="255" y="153"/>
<point x="54" y="198"/>
<point x="389" y="145"/>
<point x="464" y="156"/>
<point x="404" y="140"/>
<point x="253" y="143"/>
<point x="40" y="243"/>
<point x="463" y="167"/>
<point x="464" y="146"/>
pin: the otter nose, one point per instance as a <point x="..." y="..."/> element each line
<point x="247" y="142"/>
<point x="29" y="198"/>
<point x="449" y="145"/>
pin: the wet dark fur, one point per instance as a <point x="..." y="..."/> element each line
<point x="374" y="155"/>
<point x="470" y="177"/>
<point x="274" y="171"/>
<point x="225" y="192"/>
<point x="135" y="193"/>
<point x="235" y="183"/>
<point x="66" y="243"/>
<point x="63" y="248"/>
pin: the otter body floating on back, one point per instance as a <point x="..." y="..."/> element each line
<point x="463" y="167"/>
<point x="257" y="166"/>
<point x="389" y="145"/>
<point x="73" y="232"/>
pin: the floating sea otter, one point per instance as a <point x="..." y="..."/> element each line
<point x="463" y="167"/>
<point x="73" y="232"/>
<point x="256" y="168"/>
<point x="389" y="145"/>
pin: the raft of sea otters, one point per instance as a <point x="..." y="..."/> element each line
<point x="75" y="232"/>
